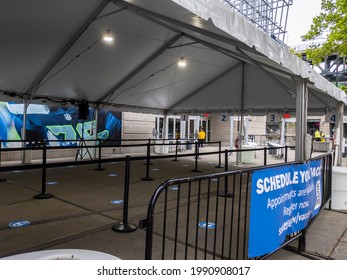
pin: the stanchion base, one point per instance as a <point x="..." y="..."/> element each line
<point x="124" y="227"/>
<point x="147" y="179"/>
<point x="196" y="170"/>
<point x="43" y="196"/>
<point x="175" y="160"/>
<point x="219" y="166"/>
<point x="3" y="179"/>
<point x="99" y="169"/>
<point x="226" y="194"/>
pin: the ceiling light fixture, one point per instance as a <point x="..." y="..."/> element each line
<point x="108" y="37"/>
<point x="182" y="62"/>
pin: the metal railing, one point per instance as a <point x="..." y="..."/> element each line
<point x="208" y="216"/>
<point x="43" y="149"/>
<point x="80" y="149"/>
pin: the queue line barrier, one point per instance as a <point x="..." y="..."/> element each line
<point x="188" y="219"/>
<point x="43" y="146"/>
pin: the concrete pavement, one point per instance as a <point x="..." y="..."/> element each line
<point x="85" y="206"/>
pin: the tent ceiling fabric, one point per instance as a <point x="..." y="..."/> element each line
<point x="53" y="51"/>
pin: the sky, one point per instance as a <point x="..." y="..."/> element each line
<point x="300" y="18"/>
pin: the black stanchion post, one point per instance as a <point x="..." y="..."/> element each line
<point x="196" y="157"/>
<point x="43" y="194"/>
<point x="265" y="156"/>
<point x="1" y="179"/>
<point x="124" y="226"/>
<point x="226" y="193"/>
<point x="148" y="160"/>
<point x="219" y="155"/>
<point x="286" y="154"/>
<point x="147" y="178"/>
<point x="99" y="168"/>
<point x="176" y="151"/>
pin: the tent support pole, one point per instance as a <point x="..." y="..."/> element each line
<point x="165" y="131"/>
<point x="95" y="130"/>
<point x="25" y="154"/>
<point x="301" y="119"/>
<point x="231" y="135"/>
<point x="339" y="136"/>
<point x="241" y="130"/>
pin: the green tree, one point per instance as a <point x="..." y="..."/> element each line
<point x="332" y="24"/>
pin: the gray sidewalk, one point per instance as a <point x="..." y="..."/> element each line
<point x="84" y="209"/>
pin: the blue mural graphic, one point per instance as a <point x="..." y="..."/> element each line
<point x="56" y="123"/>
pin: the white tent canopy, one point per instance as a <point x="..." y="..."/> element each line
<point x="52" y="51"/>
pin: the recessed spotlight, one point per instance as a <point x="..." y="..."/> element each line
<point x="108" y="37"/>
<point x="182" y="62"/>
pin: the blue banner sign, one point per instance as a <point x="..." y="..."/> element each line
<point x="283" y="200"/>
